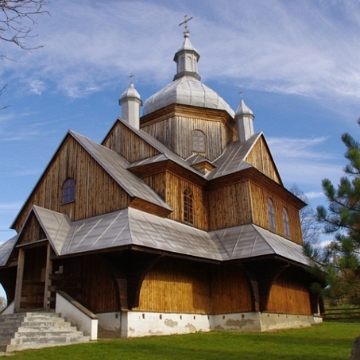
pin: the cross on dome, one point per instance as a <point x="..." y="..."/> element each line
<point x="187" y="31"/>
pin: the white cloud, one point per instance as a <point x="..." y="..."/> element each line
<point x="289" y="47"/>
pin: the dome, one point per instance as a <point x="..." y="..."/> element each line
<point x="243" y="109"/>
<point x="186" y="88"/>
<point x="186" y="91"/>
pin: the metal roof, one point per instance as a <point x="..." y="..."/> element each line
<point x="116" y="167"/>
<point x="134" y="227"/>
<point x="187" y="91"/>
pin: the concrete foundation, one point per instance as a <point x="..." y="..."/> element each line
<point x="137" y="324"/>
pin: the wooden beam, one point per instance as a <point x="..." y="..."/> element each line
<point x="48" y="271"/>
<point x="19" y="279"/>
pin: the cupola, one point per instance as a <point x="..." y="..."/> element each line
<point x="244" y="118"/>
<point x="130" y="103"/>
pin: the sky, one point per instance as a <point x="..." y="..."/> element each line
<point x="297" y="63"/>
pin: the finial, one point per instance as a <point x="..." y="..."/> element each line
<point x="131" y="76"/>
<point x="187" y="31"/>
<point x="241" y="94"/>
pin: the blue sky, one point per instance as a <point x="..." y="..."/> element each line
<point x="296" y="61"/>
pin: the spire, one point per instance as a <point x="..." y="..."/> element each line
<point x="186" y="57"/>
<point x="130" y="103"/>
<point x="244" y="118"/>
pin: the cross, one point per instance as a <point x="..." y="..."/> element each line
<point x="131" y="77"/>
<point x="241" y="92"/>
<point x="185" y="22"/>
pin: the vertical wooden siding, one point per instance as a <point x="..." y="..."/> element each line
<point x="128" y="144"/>
<point x="175" y="187"/>
<point x="96" y="192"/>
<point x="172" y="286"/>
<point x="261" y="159"/>
<point x="176" y="134"/>
<point x="229" y="206"/>
<point x="290" y="294"/>
<point x="259" y="197"/>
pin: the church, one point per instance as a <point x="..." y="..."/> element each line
<point x="177" y="222"/>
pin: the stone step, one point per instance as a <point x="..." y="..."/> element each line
<point x="35" y="330"/>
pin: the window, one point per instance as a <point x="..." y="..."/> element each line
<point x="198" y="141"/>
<point x="68" y="191"/>
<point x="188" y="207"/>
<point x="285" y="217"/>
<point x="271" y="214"/>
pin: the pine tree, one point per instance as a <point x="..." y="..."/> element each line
<point x="340" y="259"/>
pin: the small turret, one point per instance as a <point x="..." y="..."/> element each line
<point x="244" y="118"/>
<point x="130" y="103"/>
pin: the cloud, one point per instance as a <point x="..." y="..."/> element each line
<point x="299" y="160"/>
<point x="37" y="86"/>
<point x="309" y="48"/>
<point x="11" y="206"/>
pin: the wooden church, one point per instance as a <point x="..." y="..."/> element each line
<point x="177" y="222"/>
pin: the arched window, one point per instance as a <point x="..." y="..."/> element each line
<point x="188" y="207"/>
<point x="285" y="217"/>
<point x="68" y="191"/>
<point x="271" y="214"/>
<point x="198" y="141"/>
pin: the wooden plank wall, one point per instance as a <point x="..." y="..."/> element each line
<point x="32" y="231"/>
<point x="175" y="286"/>
<point x="229" y="206"/>
<point x="260" y="217"/>
<point x="290" y="294"/>
<point x="261" y="159"/>
<point x="176" y="134"/>
<point x="96" y="192"/>
<point x="128" y="144"/>
<point x="175" y="188"/>
<point x="95" y="290"/>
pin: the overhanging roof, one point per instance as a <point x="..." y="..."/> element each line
<point x="132" y="227"/>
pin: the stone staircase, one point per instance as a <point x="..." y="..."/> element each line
<point x="34" y="330"/>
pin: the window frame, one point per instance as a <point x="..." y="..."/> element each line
<point x="68" y="191"/>
<point x="271" y="214"/>
<point x="188" y="206"/>
<point x="286" y="223"/>
<point x="197" y="138"/>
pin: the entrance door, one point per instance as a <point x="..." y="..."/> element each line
<point x="32" y="278"/>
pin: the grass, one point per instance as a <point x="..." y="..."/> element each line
<point x="327" y="341"/>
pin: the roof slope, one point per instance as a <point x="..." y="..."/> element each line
<point x="131" y="227"/>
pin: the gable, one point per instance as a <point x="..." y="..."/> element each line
<point x="96" y="191"/>
<point x="31" y="231"/>
<point x="128" y="144"/>
<point x="260" y="158"/>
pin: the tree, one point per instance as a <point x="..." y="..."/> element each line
<point x="309" y="225"/>
<point x="340" y="260"/>
<point x="17" y="19"/>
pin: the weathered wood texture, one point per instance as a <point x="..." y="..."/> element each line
<point x="229" y="206"/>
<point x="128" y="144"/>
<point x="33" y="282"/>
<point x="96" y="290"/>
<point x="290" y="294"/>
<point x="175" y="132"/>
<point x="96" y="192"/>
<point x="172" y="286"/>
<point x="259" y="198"/>
<point x="261" y="159"/>
<point x="175" y="188"/>
<point x="32" y="231"/>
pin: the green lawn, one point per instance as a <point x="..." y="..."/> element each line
<point x="327" y="341"/>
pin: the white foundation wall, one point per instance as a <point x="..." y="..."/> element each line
<point x="271" y="321"/>
<point x="137" y="324"/>
<point x="110" y="321"/>
<point x="151" y="323"/>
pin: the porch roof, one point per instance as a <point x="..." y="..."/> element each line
<point x="132" y="227"/>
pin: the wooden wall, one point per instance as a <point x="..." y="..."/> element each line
<point x="259" y="197"/>
<point x="32" y="231"/>
<point x="128" y="144"/>
<point x="176" y="133"/>
<point x="95" y="290"/>
<point x="261" y="159"/>
<point x="96" y="192"/>
<point x="290" y="294"/>
<point x="175" y="286"/>
<point x="229" y="206"/>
